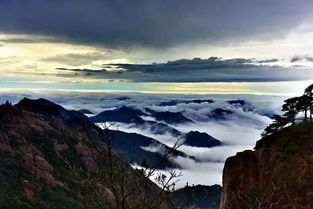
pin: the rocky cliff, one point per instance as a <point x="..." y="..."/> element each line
<point x="278" y="174"/>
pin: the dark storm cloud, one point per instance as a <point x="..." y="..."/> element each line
<point x="213" y="69"/>
<point x="301" y="58"/>
<point x="195" y="64"/>
<point x="156" y="23"/>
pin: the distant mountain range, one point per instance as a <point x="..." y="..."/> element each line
<point x="132" y="147"/>
<point x="142" y="150"/>
<point x="175" y="102"/>
<point x="47" y="153"/>
<point x="131" y="115"/>
<point x="123" y="114"/>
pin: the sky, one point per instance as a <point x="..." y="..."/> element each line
<point x="149" y="46"/>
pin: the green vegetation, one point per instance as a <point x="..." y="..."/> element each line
<point x="291" y="108"/>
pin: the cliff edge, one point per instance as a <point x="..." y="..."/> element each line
<point x="277" y="174"/>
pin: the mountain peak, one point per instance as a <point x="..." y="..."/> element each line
<point x="200" y="139"/>
<point x="47" y="108"/>
<point x="70" y="120"/>
<point x="123" y="114"/>
<point x="39" y="101"/>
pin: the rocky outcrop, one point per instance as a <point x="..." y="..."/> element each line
<point x="106" y="194"/>
<point x="30" y="188"/>
<point x="41" y="168"/>
<point x="277" y="174"/>
<point x="86" y="155"/>
<point x="246" y="173"/>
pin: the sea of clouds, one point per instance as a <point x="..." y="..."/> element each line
<point x="237" y="131"/>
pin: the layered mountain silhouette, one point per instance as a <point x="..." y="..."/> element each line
<point x="176" y="102"/>
<point x="160" y="127"/>
<point x="139" y="149"/>
<point x="132" y="147"/>
<point x="56" y="158"/>
<point x="131" y="115"/>
<point x="133" y="118"/>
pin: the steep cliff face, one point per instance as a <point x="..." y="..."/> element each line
<point x="277" y="174"/>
